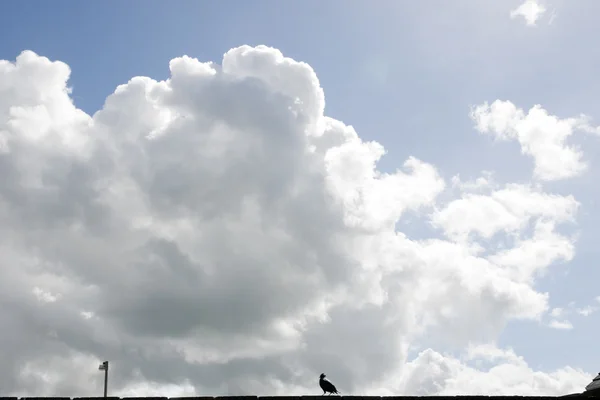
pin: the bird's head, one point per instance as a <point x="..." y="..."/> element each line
<point x="321" y="376"/>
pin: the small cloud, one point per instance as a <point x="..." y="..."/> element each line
<point x="552" y="17"/>
<point x="87" y="314"/>
<point x="586" y="311"/>
<point x="530" y="10"/>
<point x="481" y="183"/>
<point x="44" y="296"/>
<point x="556" y="312"/>
<point x="563" y="325"/>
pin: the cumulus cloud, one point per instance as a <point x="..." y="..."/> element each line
<point x="541" y="136"/>
<point x="434" y="373"/>
<point x="530" y="11"/>
<point x="216" y="233"/>
<point x="506" y="209"/>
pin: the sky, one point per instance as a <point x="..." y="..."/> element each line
<point x="230" y="198"/>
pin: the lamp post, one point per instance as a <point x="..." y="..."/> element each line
<point x="104" y="367"/>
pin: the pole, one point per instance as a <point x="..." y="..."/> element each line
<point x="104" y="367"/>
<point x="106" y="380"/>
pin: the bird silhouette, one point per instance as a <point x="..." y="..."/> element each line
<point x="326" y="385"/>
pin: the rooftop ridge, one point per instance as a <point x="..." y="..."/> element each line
<point x="313" y="397"/>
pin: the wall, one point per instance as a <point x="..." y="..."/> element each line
<point x="569" y="397"/>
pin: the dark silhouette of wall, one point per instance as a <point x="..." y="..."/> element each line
<point x="574" y="396"/>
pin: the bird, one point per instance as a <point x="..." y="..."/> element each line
<point x="326" y="385"/>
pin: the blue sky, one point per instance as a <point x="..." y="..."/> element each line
<point x="402" y="73"/>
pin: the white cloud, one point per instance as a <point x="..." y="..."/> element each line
<point x="508" y="209"/>
<point x="541" y="136"/>
<point x="475" y="185"/>
<point x="587" y="311"/>
<point x="87" y="314"/>
<point x="562" y="325"/>
<point x="572" y="310"/>
<point x="552" y="18"/>
<point x="530" y="10"/>
<point x="44" y="296"/>
<point x="223" y="235"/>
<point x="433" y="373"/>
<point x="557" y="312"/>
